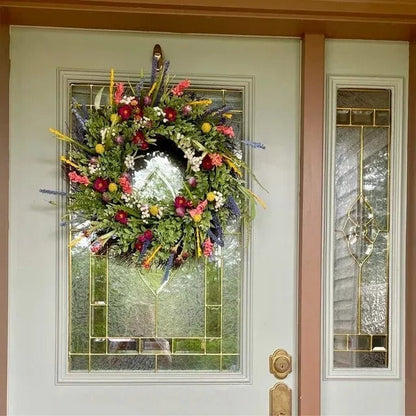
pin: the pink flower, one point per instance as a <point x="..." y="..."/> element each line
<point x="96" y="247"/>
<point x="74" y="177"/>
<point x="125" y="185"/>
<point x="226" y="130"/>
<point x="121" y="217"/>
<point x="100" y="185"/>
<point x="118" y="95"/>
<point x="208" y="246"/>
<point x="199" y="209"/>
<point x="178" y="89"/>
<point x="216" y="159"/>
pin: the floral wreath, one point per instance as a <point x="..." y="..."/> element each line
<point x="106" y="145"/>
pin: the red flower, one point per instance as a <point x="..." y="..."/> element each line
<point x="124" y="112"/>
<point x="207" y="163"/>
<point x="121" y="217"/>
<point x="138" y="113"/>
<point x="138" y="245"/>
<point x="100" y="185"/>
<point x="148" y="235"/>
<point x="180" y="202"/>
<point x="170" y="113"/>
<point x="138" y="137"/>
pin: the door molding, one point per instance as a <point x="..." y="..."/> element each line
<point x="397" y="227"/>
<point x="245" y="84"/>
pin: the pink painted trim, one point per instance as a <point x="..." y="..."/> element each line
<point x="4" y="203"/>
<point x="410" y="364"/>
<point x="310" y="224"/>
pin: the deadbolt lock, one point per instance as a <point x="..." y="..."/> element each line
<point x="280" y="364"/>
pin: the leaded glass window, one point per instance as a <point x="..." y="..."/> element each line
<point x="362" y="228"/>
<point x="123" y="319"/>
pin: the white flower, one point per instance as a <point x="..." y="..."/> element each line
<point x="104" y="134"/>
<point x="129" y="162"/>
<point x="93" y="168"/>
<point x="160" y="213"/>
<point x="196" y="163"/>
<point x="219" y="200"/>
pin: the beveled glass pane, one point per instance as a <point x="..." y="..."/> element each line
<point x="231" y="362"/>
<point x="190" y="362"/>
<point x="79" y="313"/>
<point x="362" y="117"/>
<point x="188" y="346"/>
<point x="352" y="359"/>
<point x="122" y="362"/>
<point x="78" y="363"/>
<point x="363" y="98"/>
<point x="361" y="231"/>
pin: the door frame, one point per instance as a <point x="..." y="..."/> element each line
<point x="318" y="19"/>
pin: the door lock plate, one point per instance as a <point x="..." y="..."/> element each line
<point x="280" y="364"/>
<point x="280" y="400"/>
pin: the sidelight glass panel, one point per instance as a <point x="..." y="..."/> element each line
<point x="125" y="319"/>
<point x="362" y="228"/>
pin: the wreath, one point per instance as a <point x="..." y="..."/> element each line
<point x="110" y="145"/>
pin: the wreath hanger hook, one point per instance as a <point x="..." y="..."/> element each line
<point x="158" y="54"/>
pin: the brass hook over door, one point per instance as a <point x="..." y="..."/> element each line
<point x="158" y="54"/>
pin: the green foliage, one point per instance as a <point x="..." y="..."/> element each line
<point x="124" y="219"/>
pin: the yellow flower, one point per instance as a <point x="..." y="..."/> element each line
<point x="154" y="210"/>
<point x="99" y="148"/>
<point x="114" y="118"/>
<point x="197" y="217"/>
<point x="206" y="127"/>
<point x="227" y="115"/>
<point x="112" y="187"/>
<point x="211" y="196"/>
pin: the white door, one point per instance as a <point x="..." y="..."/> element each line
<point x="271" y="69"/>
<point x="362" y="387"/>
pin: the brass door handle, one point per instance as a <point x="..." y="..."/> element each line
<point x="280" y="364"/>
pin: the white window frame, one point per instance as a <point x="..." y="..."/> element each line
<point x="65" y="78"/>
<point x="398" y="148"/>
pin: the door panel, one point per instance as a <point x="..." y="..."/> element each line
<point x="368" y="391"/>
<point x="36" y="55"/>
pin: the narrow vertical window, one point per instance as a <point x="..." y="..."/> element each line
<point x="361" y="229"/>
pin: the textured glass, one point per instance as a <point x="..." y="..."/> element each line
<point x="361" y="229"/>
<point x="124" y="319"/>
<point x="363" y="98"/>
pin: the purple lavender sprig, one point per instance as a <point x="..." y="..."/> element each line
<point x="154" y="70"/>
<point x="52" y="192"/>
<point x="214" y="238"/>
<point x="169" y="265"/>
<point x="138" y="88"/>
<point x="254" y="145"/>
<point x="162" y="81"/>
<point x="232" y="206"/>
<point x="145" y="247"/>
<point x="218" y="229"/>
